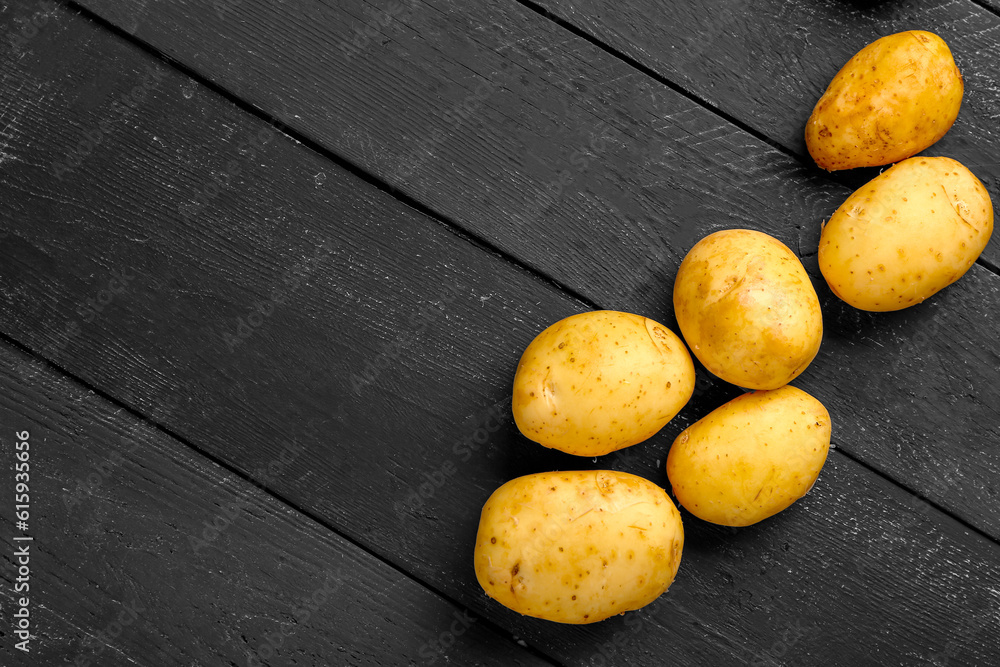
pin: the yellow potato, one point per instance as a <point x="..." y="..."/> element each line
<point x="893" y="99"/>
<point x="596" y="382"/>
<point x="750" y="458"/>
<point x="578" y="547"/>
<point x="905" y="235"/>
<point x="747" y="309"/>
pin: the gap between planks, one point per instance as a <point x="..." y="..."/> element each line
<point x="478" y="241"/>
<point x="985" y="5"/>
<point x="648" y="71"/>
<point x="486" y="622"/>
<point x="452" y="227"/>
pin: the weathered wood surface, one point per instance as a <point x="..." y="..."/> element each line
<point x="640" y="172"/>
<point x="765" y="63"/>
<point x="388" y="352"/>
<point x="148" y="553"/>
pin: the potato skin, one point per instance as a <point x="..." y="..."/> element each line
<point x="747" y="309"/>
<point x="578" y="547"/>
<point x="750" y="458"/>
<point x="893" y="99"/>
<point x="596" y="382"/>
<point x="905" y="235"/>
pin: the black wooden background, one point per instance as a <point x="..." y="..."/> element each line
<point x="266" y="269"/>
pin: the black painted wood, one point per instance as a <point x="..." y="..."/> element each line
<point x="765" y="63"/>
<point x="147" y="553"/>
<point x="913" y="393"/>
<point x="388" y="353"/>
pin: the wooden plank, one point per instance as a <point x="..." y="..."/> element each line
<point x="913" y="393"/>
<point x="510" y="126"/>
<point x="568" y="159"/>
<point x="766" y="62"/>
<point x="145" y="552"/>
<point x="390" y="361"/>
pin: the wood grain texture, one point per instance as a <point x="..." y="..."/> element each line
<point x="912" y="394"/>
<point x="550" y="98"/>
<point x="766" y="62"/>
<point x="390" y="361"/>
<point x="146" y="553"/>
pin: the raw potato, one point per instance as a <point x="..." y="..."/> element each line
<point x="747" y="309"/>
<point x="578" y="547"/>
<point x="907" y="234"/>
<point x="597" y="382"/>
<point x="750" y="458"/>
<point x="893" y="99"/>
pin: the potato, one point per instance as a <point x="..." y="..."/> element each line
<point x="600" y="381"/>
<point x="578" y="547"/>
<point x="893" y="99"/>
<point x="905" y="235"/>
<point x="750" y="458"/>
<point x="747" y="309"/>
